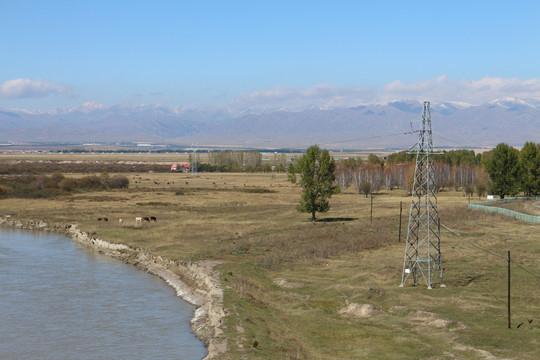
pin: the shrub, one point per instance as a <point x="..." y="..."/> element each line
<point x="91" y="182"/>
<point x="5" y="190"/>
<point x="68" y="184"/>
<point x="118" y="182"/>
<point x="481" y="190"/>
<point x="365" y="188"/>
<point x="469" y="189"/>
<point x="57" y="177"/>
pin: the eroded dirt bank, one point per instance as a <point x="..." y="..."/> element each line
<point x="196" y="283"/>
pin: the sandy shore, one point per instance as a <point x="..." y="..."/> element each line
<point x="196" y="283"/>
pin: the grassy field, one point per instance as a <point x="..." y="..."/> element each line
<point x="291" y="285"/>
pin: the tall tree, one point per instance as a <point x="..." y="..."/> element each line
<point x="529" y="167"/>
<point x="503" y="169"/>
<point x="375" y="160"/>
<point x="316" y="169"/>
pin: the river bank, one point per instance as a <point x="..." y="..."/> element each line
<point x="196" y="283"/>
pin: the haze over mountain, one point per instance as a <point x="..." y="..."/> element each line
<point x="384" y="126"/>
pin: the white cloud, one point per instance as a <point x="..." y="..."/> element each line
<point x="471" y="91"/>
<point x="27" y="88"/>
<point x="322" y="96"/>
<point x="439" y="89"/>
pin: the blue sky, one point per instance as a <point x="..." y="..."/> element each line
<point x="288" y="54"/>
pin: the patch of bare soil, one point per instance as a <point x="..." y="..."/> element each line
<point x="425" y="318"/>
<point x="360" y="310"/>
<point x="286" y="284"/>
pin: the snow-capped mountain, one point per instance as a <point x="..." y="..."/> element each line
<point x="389" y="125"/>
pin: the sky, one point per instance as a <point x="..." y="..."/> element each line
<point x="265" y="54"/>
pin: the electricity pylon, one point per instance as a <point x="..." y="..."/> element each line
<point x="423" y="248"/>
<point x="194" y="170"/>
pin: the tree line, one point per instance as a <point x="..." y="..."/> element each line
<point x="242" y="161"/>
<point x="501" y="171"/>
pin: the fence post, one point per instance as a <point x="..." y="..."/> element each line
<point x="371" y="210"/>
<point x="509" y="316"/>
<point x="400" y="211"/>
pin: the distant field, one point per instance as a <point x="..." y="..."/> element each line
<point x="288" y="282"/>
<point x="158" y="158"/>
<point x="142" y="157"/>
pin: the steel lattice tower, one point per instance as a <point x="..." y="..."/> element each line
<point x="423" y="249"/>
<point x="194" y="170"/>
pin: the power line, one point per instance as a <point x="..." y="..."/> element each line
<point x="493" y="253"/>
<point x="456" y="142"/>
<point x="371" y="137"/>
<point x="524" y="269"/>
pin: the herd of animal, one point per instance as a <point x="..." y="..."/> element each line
<point x="138" y="219"/>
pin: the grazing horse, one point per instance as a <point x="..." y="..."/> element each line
<point x="153" y="218"/>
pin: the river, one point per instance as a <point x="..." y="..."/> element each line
<point x="59" y="300"/>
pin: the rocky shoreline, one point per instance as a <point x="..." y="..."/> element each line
<point x="197" y="283"/>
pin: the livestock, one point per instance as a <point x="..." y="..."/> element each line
<point x="138" y="219"/>
<point x="153" y="218"/>
<point x="121" y="221"/>
<point x="102" y="219"/>
<point x="146" y="218"/>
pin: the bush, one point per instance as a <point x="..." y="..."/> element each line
<point x="5" y="190"/>
<point x="57" y="177"/>
<point x="118" y="182"/>
<point x="365" y="188"/>
<point x="68" y="184"/>
<point x="91" y="182"/>
<point x="469" y="189"/>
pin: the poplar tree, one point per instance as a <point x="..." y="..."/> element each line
<point x="503" y="169"/>
<point x="316" y="170"/>
<point x="529" y="166"/>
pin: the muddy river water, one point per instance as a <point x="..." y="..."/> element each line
<point x="61" y="301"/>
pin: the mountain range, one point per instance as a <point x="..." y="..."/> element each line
<point x="390" y="125"/>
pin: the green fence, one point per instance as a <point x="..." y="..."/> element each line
<point x="533" y="219"/>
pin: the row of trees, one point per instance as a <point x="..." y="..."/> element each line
<point x="235" y="158"/>
<point x="502" y="171"/>
<point x="372" y="175"/>
<point x="452" y="157"/>
<point x="242" y="161"/>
